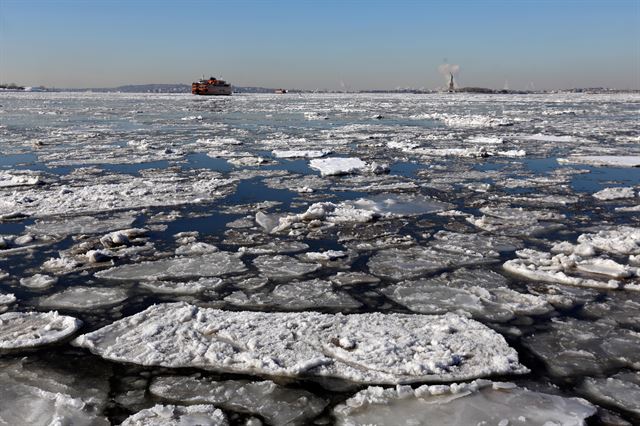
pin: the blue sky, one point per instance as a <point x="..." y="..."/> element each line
<point x="321" y="44"/>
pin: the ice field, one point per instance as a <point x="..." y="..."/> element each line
<point x="348" y="259"/>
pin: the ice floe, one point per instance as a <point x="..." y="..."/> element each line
<point x="300" y="153"/>
<point x="82" y="224"/>
<point x="37" y="395"/>
<point x="480" y="294"/>
<point x="298" y="295"/>
<point x="38" y="281"/>
<point x="175" y="415"/>
<point x="621" y="391"/>
<point x="476" y="403"/>
<point x="28" y="330"/>
<point x="572" y="347"/>
<point x="207" y="265"/>
<point x="84" y="298"/>
<point x="603" y="160"/>
<point x="337" y="165"/>
<point x="283" y="267"/>
<point x="6" y="300"/>
<point x="118" y="192"/>
<point x="616" y="193"/>
<point x="278" y="405"/>
<point x="363" y="348"/>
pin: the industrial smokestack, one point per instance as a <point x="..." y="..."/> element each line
<point x="451" y="86"/>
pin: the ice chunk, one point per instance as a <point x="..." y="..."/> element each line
<point x="477" y="403"/>
<point x="412" y="262"/>
<point x="189" y="287"/>
<point x="337" y="165"/>
<point x="391" y="348"/>
<point x="603" y="160"/>
<point x="36" y="394"/>
<point x="174" y="415"/>
<point x="82" y="224"/>
<point x="28" y="330"/>
<point x="38" y="281"/>
<point x="621" y="391"/>
<point x="623" y="240"/>
<point x="353" y="278"/>
<point x="84" y="298"/>
<point x="278" y="405"/>
<point x="571" y="347"/>
<point x="397" y="205"/>
<point x="282" y="267"/>
<point x="5" y="301"/>
<point x="485" y="139"/>
<point x="615" y="193"/>
<point x="477" y="293"/>
<point x="207" y="265"/>
<point x="296" y="296"/>
<point x="300" y="153"/>
<point x="540" y="266"/>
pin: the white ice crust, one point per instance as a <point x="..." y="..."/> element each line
<point x="207" y="265"/>
<point x="337" y="165"/>
<point x="477" y="403"/>
<point x="84" y="298"/>
<point x="175" y="415"/>
<point x="36" y="395"/>
<point x="28" y="330"/>
<point x="615" y="193"/>
<point x="363" y="348"/>
<point x="300" y="153"/>
<point x="276" y="404"/>
<point x="603" y="160"/>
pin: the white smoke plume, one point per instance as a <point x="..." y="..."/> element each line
<point x="448" y="69"/>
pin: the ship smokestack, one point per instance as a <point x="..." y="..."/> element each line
<point x="451" y="86"/>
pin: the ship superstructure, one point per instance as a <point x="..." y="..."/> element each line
<point x="212" y="86"/>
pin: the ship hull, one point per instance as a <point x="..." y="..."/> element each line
<point x="216" y="91"/>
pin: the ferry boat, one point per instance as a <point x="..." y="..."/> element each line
<point x="281" y="91"/>
<point x="212" y="86"/>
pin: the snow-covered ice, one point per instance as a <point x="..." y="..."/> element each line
<point x="363" y="348"/>
<point x="477" y="403"/>
<point x="29" y="330"/>
<point x="36" y="395"/>
<point x="278" y="405"/>
<point x="175" y="415"/>
<point x="207" y="265"/>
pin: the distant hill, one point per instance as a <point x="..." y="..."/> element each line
<point x="164" y="88"/>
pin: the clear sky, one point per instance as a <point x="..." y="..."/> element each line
<point x="321" y="44"/>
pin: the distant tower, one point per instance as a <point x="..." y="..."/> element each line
<point x="451" y="86"/>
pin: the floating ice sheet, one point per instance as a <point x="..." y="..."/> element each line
<point x="476" y="403"/>
<point x="207" y="265"/>
<point x="29" y="330"/>
<point x="278" y="405"/>
<point x="175" y="415"/>
<point x="603" y="160"/>
<point x="296" y="296"/>
<point x="300" y="153"/>
<point x="481" y="294"/>
<point x="621" y="391"/>
<point x="283" y="267"/>
<point x="571" y="347"/>
<point x="82" y="224"/>
<point x="84" y="298"/>
<point x="337" y="165"/>
<point x="413" y="262"/>
<point x="363" y="348"/>
<point x="36" y="395"/>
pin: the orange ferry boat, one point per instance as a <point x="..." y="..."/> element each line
<point x="212" y="86"/>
